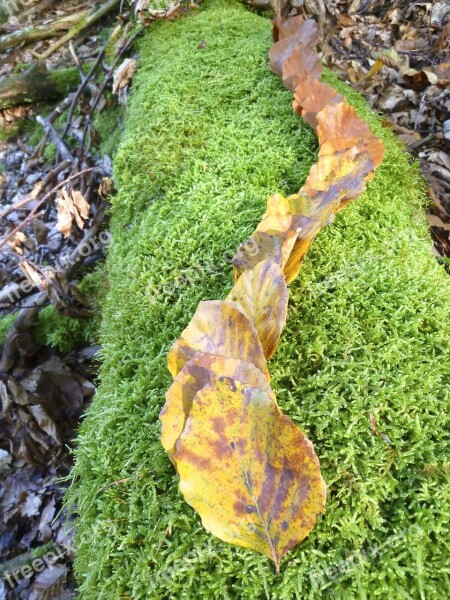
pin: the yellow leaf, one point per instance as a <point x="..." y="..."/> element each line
<point x="263" y="295"/>
<point x="222" y="328"/>
<point x="248" y="471"/>
<point x="274" y="245"/>
<point x="198" y="372"/>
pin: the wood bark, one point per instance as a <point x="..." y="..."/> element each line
<point x="24" y="88"/>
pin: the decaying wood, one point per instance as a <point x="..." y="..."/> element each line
<point x="34" y="33"/>
<point x="31" y="86"/>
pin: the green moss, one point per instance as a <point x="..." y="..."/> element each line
<point x="109" y="126"/>
<point x="209" y="137"/>
<point x="65" y="79"/>
<point x="64" y="333"/>
<point x="5" y="324"/>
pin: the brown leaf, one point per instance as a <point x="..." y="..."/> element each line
<point x="124" y="74"/>
<point x="306" y="33"/>
<point x="71" y="207"/>
<point x="300" y="65"/>
<point x="339" y="121"/>
<point x="311" y="96"/>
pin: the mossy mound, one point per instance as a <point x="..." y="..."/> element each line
<point x="209" y="137"/>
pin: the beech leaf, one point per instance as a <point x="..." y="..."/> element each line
<point x="218" y="327"/>
<point x="301" y="64"/>
<point x="198" y="372"/>
<point x="248" y="471"/>
<point x="263" y="295"/>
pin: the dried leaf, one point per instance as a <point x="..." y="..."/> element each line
<point x="31" y="273"/>
<point x="262" y="293"/>
<point x="198" y="372"/>
<point x="339" y="121"/>
<point x="311" y="96"/>
<point x="304" y="32"/>
<point x="302" y="64"/>
<point x="222" y="328"/>
<point x="248" y="470"/>
<point x="274" y="245"/>
<point x="71" y="207"/>
<point x="123" y="76"/>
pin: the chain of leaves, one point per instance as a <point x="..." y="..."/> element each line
<point x="247" y="470"/>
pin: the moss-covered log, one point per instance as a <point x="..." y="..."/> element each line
<point x="36" y="84"/>
<point x="34" y="33"/>
<point x="210" y="135"/>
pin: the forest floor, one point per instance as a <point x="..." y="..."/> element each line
<point x="56" y="180"/>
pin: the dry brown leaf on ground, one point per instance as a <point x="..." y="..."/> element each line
<point x="300" y="65"/>
<point x="248" y="471"/>
<point x="71" y="207"/>
<point x="305" y="32"/>
<point x="123" y="76"/>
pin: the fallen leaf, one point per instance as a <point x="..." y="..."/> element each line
<point x="304" y="32"/>
<point x="339" y="121"/>
<point x="263" y="296"/>
<point x="71" y="207"/>
<point x="301" y="64"/>
<point x="222" y="328"/>
<point x="248" y="471"/>
<point x="124" y="74"/>
<point x="311" y="96"/>
<point x="199" y="371"/>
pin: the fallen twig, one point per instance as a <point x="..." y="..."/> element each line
<point x="34" y="33"/>
<point x="108" y="76"/>
<point x="61" y="146"/>
<point x="90" y="19"/>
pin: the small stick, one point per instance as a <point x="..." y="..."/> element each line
<point x="103" y="86"/>
<point x="90" y="19"/>
<point x="62" y="148"/>
<point x="80" y="91"/>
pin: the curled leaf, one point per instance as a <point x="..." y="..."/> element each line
<point x="262" y="293"/>
<point x="311" y="96"/>
<point x="222" y="328"/>
<point x="302" y="64"/>
<point x="248" y="471"/>
<point x="340" y="121"/>
<point x="306" y="32"/>
<point x="71" y="207"/>
<point x="273" y="245"/>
